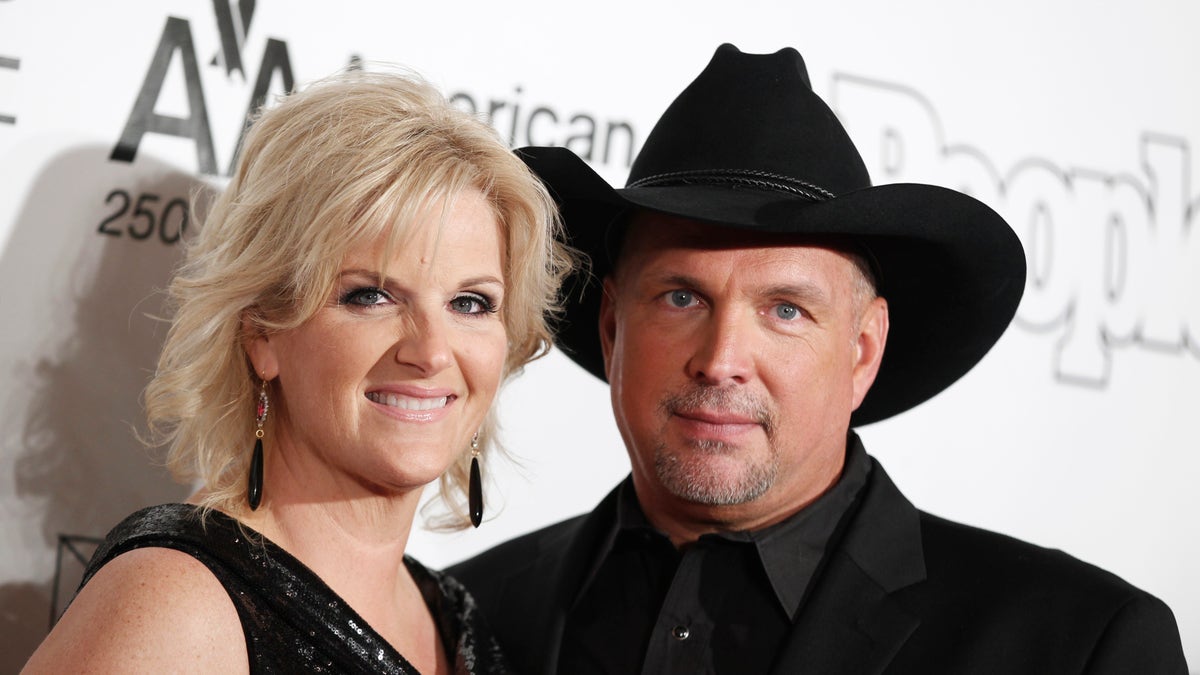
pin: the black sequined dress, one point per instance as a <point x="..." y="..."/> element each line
<point x="293" y="621"/>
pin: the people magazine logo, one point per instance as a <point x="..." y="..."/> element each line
<point x="1114" y="258"/>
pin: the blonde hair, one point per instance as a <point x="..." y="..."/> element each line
<point x="349" y="159"/>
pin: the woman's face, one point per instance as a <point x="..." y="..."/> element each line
<point x="387" y="383"/>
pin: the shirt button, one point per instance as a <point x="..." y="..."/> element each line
<point x="680" y="632"/>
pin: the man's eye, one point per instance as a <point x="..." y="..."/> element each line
<point x="472" y="303"/>
<point x="681" y="298"/>
<point x="364" y="297"/>
<point x="787" y="312"/>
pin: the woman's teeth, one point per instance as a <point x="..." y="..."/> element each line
<point x="407" y="402"/>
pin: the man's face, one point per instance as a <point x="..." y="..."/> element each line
<point x="735" y="360"/>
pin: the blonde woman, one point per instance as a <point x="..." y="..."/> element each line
<point x="378" y="265"/>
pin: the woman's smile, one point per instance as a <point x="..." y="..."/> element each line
<point x="410" y="402"/>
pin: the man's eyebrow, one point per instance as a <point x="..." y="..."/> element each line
<point x="674" y="279"/>
<point x="803" y="290"/>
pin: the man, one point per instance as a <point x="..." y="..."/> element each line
<point x="759" y="299"/>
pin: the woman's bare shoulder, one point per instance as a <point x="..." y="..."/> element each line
<point x="148" y="610"/>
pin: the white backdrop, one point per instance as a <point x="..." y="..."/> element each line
<point x="1074" y="120"/>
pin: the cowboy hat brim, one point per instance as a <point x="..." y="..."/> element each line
<point x="951" y="269"/>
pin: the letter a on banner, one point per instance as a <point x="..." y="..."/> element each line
<point x="275" y="59"/>
<point x="177" y="36"/>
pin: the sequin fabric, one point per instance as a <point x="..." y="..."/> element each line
<point x="293" y="622"/>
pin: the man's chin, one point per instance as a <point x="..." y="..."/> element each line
<point x="714" y="477"/>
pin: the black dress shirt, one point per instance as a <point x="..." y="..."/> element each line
<point x="723" y="604"/>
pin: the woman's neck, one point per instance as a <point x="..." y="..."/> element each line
<point x="353" y="537"/>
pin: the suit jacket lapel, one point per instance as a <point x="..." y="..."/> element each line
<point x="563" y="558"/>
<point x="851" y="623"/>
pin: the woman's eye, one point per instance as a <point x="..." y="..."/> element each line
<point x="787" y="312"/>
<point x="365" y="297"/>
<point x="471" y="303"/>
<point x="681" y="298"/>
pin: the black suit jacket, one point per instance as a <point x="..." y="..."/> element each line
<point x="901" y="592"/>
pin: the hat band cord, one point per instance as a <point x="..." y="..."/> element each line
<point x="757" y="179"/>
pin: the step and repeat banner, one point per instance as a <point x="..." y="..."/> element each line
<point x="1075" y="122"/>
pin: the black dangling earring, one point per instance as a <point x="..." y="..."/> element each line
<point x="475" y="487"/>
<point x="255" y="485"/>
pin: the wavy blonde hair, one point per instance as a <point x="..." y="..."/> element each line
<point x="349" y="159"/>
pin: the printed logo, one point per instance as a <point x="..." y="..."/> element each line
<point x="232" y="29"/>
<point x="177" y="41"/>
<point x="1114" y="259"/>
<point x="599" y="141"/>
<point x="8" y="63"/>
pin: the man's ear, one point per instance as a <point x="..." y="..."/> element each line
<point x="608" y="323"/>
<point x="869" y="345"/>
<point x="259" y="349"/>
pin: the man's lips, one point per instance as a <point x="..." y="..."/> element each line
<point x="717" y="417"/>
<point x="717" y="413"/>
<point x="714" y="425"/>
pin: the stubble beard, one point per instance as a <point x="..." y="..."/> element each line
<point x="688" y="474"/>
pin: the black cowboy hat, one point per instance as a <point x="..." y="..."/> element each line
<point x="749" y="145"/>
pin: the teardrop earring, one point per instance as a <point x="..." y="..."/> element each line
<point x="255" y="484"/>
<point x="475" y="486"/>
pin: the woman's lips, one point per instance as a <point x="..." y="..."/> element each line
<point x="413" y="406"/>
<point x="408" y="402"/>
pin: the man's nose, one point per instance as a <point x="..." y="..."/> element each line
<point x="725" y="352"/>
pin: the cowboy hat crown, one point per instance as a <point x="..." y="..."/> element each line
<point x="751" y="122"/>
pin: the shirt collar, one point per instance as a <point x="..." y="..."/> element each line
<point x="790" y="551"/>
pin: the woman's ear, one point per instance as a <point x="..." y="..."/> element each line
<point x="259" y="349"/>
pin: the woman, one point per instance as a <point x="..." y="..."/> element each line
<point x="379" y="263"/>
